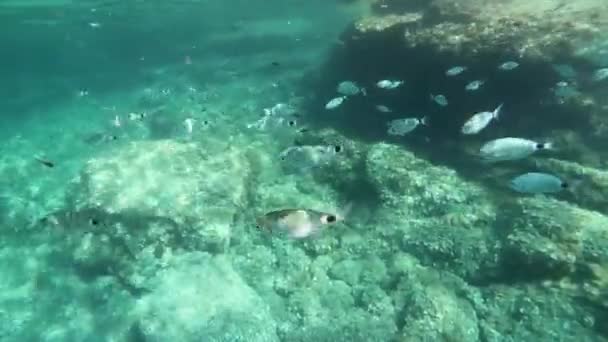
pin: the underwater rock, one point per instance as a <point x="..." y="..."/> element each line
<point x="535" y="313"/>
<point x="200" y="297"/>
<point x="433" y="305"/>
<point x="433" y="213"/>
<point x="193" y="186"/>
<point x="551" y="239"/>
<point x="590" y="185"/>
<point x="515" y="28"/>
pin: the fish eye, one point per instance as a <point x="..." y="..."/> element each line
<point x="291" y="123"/>
<point x="565" y="185"/>
<point x="337" y="148"/>
<point x="205" y="122"/>
<point x="540" y="146"/>
<point x="330" y="218"/>
<point x="94" y="221"/>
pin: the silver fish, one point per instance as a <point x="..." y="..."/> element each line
<point x="335" y="102"/>
<point x="510" y="65"/>
<point x="600" y="75"/>
<point x="510" y="149"/>
<point x="383" y="109"/>
<point x="297" y="223"/>
<point x="280" y="109"/>
<point x="306" y="157"/>
<point x="537" y="183"/>
<point x="439" y="99"/>
<point x="479" y="121"/>
<point x="349" y="88"/>
<point x="457" y="70"/>
<point x="404" y="126"/>
<point x="388" y="84"/>
<point x="474" y="85"/>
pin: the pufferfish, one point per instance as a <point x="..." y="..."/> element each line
<point x="297" y="223"/>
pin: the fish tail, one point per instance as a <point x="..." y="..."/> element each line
<point x="344" y="211"/>
<point x="496" y="112"/>
<point x="425" y="121"/>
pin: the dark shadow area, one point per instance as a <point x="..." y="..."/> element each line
<point x="524" y="91"/>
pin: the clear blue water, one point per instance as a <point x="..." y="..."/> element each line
<point x="143" y="141"/>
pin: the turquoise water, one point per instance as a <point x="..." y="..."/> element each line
<point x="157" y="158"/>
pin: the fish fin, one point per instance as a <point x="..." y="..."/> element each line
<point x="574" y="184"/>
<point x="549" y="145"/>
<point x="344" y="212"/>
<point x="496" y="112"/>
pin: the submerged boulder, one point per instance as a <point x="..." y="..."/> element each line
<point x="199" y="187"/>
<point x="200" y="297"/>
<point x="433" y="213"/>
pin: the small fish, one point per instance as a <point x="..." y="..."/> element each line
<point x="505" y="149"/>
<point x="561" y="84"/>
<point x="189" y="123"/>
<point x="94" y="24"/>
<point x="479" y="121"/>
<point x="306" y="157"/>
<point x="383" y="109"/>
<point x="45" y="162"/>
<point x="404" y="126"/>
<point x="280" y="109"/>
<point x="388" y="84"/>
<point x="538" y="183"/>
<point x="439" y="99"/>
<point x="297" y="223"/>
<point x="136" y="116"/>
<point x="457" y="70"/>
<point x="116" y="122"/>
<point x="335" y="102"/>
<point x="474" y="85"/>
<point x="349" y="88"/>
<point x="600" y="75"/>
<point x="510" y="65"/>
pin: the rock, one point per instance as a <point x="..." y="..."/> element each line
<point x="552" y="238"/>
<point x="200" y="297"/>
<point x="437" y="216"/>
<point x="434" y="306"/>
<point x="589" y="184"/>
<point x="194" y="186"/>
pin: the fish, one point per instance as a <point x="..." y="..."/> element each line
<point x="439" y="99"/>
<point x="45" y="162"/>
<point x="136" y="116"/>
<point x="538" y="183"/>
<point x="479" y="121"/>
<point x="349" y="88"/>
<point x="189" y="123"/>
<point x="280" y="109"/>
<point x="404" y="126"/>
<point x="510" y="65"/>
<point x="116" y="122"/>
<point x="600" y="75"/>
<point x="383" y="109"/>
<point x="299" y="223"/>
<point x="388" y="84"/>
<point x="456" y="70"/>
<point x="335" y="102"/>
<point x="474" y="85"/>
<point x="307" y="157"/>
<point x="505" y="149"/>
